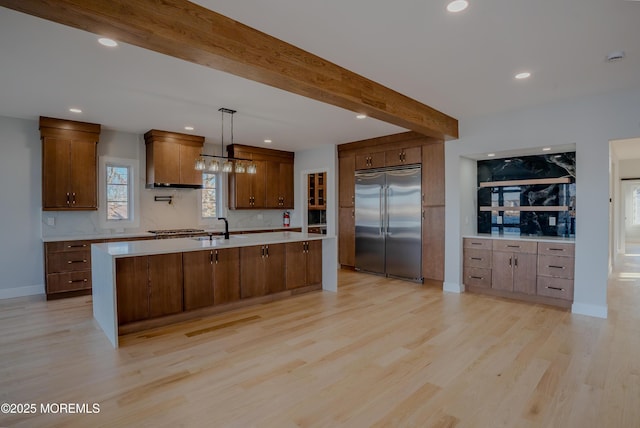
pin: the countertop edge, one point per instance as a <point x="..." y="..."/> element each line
<point x="523" y="238"/>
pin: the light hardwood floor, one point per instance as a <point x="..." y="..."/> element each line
<point x="378" y="353"/>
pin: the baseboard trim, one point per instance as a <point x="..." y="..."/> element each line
<point x="596" y="311"/>
<point x="30" y="290"/>
<point x="452" y="287"/>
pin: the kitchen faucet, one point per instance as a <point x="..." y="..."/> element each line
<point x="226" y="227"/>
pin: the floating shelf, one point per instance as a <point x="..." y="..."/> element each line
<point x="528" y="208"/>
<point x="560" y="180"/>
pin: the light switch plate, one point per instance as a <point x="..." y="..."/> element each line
<point x="499" y="219"/>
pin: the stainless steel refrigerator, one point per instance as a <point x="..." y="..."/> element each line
<point x="388" y="216"/>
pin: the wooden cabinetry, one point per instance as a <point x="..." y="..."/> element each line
<point x="67" y="268"/>
<point x="540" y="272"/>
<point x="316" y="185"/>
<point x="171" y="158"/>
<point x="433" y="174"/>
<point x="304" y="264"/>
<point x="403" y="156"/>
<point x="211" y="277"/>
<point x="346" y="237"/>
<point x="148" y="286"/>
<point x="263" y="270"/>
<point x="347" y="180"/>
<point x="69" y="165"/>
<point x="433" y="243"/>
<point x="370" y="160"/>
<point x="270" y="187"/>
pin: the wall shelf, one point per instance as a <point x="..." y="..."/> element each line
<point x="527" y="208"/>
<point x="531" y="182"/>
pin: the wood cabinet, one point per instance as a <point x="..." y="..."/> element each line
<point x="148" y="286"/>
<point x="433" y="243"/>
<point x="171" y="158"/>
<point x="477" y="262"/>
<point x="347" y="180"/>
<point x="555" y="270"/>
<point x="433" y="174"/>
<point x="270" y="187"/>
<point x="69" y="165"/>
<point x="316" y="186"/>
<point x="403" y="156"/>
<point x="304" y="264"/>
<point x="211" y="277"/>
<point x="514" y="266"/>
<point x="263" y="270"/>
<point x="370" y="160"/>
<point x="346" y="237"/>
<point x="67" y="268"/>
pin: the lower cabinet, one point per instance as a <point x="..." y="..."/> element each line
<point x="211" y="277"/>
<point x="304" y="264"/>
<point x="514" y="271"/>
<point x="148" y="286"/>
<point x="263" y="270"/>
<point x="346" y="237"/>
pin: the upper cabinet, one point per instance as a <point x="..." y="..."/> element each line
<point x="317" y="191"/>
<point x="272" y="184"/>
<point x="370" y="160"/>
<point x="403" y="156"/>
<point x="171" y="158"/>
<point x="433" y="174"/>
<point x="347" y="180"/>
<point x="69" y="164"/>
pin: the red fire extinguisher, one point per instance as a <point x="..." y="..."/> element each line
<point x="286" y="220"/>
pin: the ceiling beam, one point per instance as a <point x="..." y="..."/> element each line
<point x="184" y="30"/>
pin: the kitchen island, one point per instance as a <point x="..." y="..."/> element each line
<point x="143" y="284"/>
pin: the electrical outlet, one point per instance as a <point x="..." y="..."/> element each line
<point x="260" y="216"/>
<point x="552" y="221"/>
<point x="51" y="221"/>
<point x="499" y="219"/>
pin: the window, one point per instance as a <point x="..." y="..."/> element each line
<point x="209" y="205"/>
<point x="118" y="194"/>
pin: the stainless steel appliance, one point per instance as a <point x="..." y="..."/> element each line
<point x="388" y="216"/>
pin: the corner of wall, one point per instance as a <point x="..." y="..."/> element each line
<point x="596" y="311"/>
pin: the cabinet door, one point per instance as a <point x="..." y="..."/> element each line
<point x="524" y="273"/>
<point x="252" y="271"/>
<point x="296" y="259"/>
<point x="55" y="173"/>
<point x="188" y="156"/>
<point x="197" y="267"/>
<point x="433" y="174"/>
<point x="258" y="184"/>
<point x="347" y="178"/>
<point x="412" y="155"/>
<point x="240" y="195"/>
<point x="433" y="243"/>
<point x="166" y="162"/>
<point x="370" y="160"/>
<point x="274" y="272"/>
<point x="285" y="185"/>
<point x="346" y="237"/>
<point x="226" y="275"/>
<point x="132" y="289"/>
<point x="83" y="175"/>
<point x="502" y="271"/>
<point x="314" y="263"/>
<point x="272" y="189"/>
<point x="165" y="284"/>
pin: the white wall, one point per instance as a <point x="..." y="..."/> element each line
<point x="589" y="122"/>
<point x="21" y="259"/>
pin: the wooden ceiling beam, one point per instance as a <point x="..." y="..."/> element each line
<point x="184" y="30"/>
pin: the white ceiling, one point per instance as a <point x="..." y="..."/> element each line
<point x="462" y="65"/>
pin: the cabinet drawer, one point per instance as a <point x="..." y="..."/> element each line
<point x="559" y="267"/>
<point x="477" y="258"/>
<point x="477" y="243"/>
<point x="555" y="287"/>
<point x="60" y="282"/>
<point x="515" y="246"/>
<point x="477" y="277"/>
<point x="68" y="261"/>
<point x="56" y="247"/>
<point x="552" y="249"/>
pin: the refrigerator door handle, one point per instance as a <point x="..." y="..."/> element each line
<point x="386" y="209"/>
<point x="381" y="213"/>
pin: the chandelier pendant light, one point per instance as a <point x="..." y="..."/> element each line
<point x="225" y="163"/>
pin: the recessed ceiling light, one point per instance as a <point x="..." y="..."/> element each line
<point x="490" y="155"/>
<point x="523" y="75"/>
<point x="361" y="116"/>
<point x="75" y="110"/>
<point x="189" y="128"/>
<point x="107" y="42"/>
<point x="457" y="5"/>
<point x="546" y="149"/>
<point x="615" y="56"/>
<point x="267" y="141"/>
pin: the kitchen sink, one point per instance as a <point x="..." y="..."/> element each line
<point x="217" y="238"/>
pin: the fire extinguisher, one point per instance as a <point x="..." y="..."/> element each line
<point x="286" y="219"/>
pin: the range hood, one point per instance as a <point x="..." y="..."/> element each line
<point x="172" y="186"/>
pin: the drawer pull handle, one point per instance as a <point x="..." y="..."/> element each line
<point x="556" y="267"/>
<point x="77" y="280"/>
<point x="476" y="243"/>
<point x="476" y="277"/>
<point x="77" y="246"/>
<point x="77" y="261"/>
<point x="476" y="258"/>
<point x="513" y="246"/>
<point x="555" y="249"/>
<point x="556" y="288"/>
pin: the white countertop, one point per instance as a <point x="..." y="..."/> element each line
<point x="78" y="237"/>
<point x="181" y="245"/>
<point x="523" y="238"/>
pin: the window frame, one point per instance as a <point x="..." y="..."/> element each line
<point x="132" y="189"/>
<point x="220" y="202"/>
